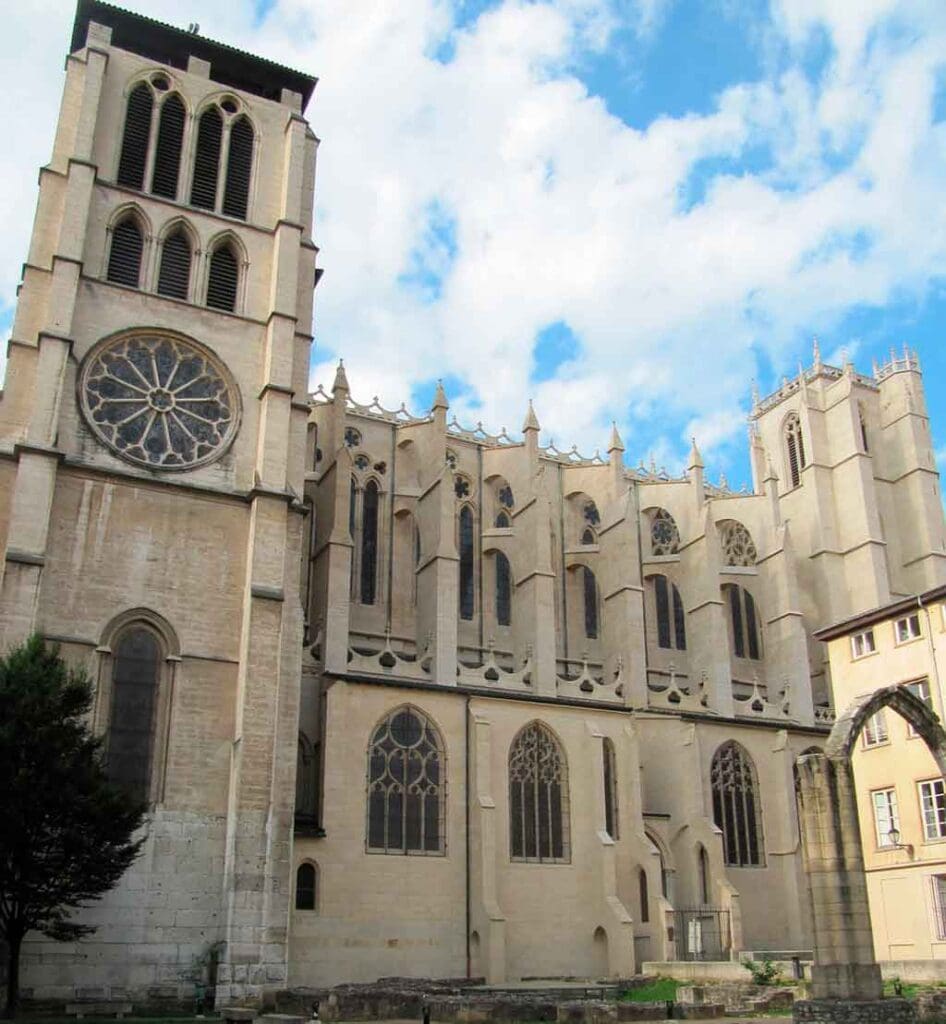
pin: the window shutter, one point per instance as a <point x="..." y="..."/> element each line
<point x="124" y="258"/>
<point x="207" y="159"/>
<point x="239" y="165"/>
<point x="134" y="155"/>
<point x="222" y="285"/>
<point x="175" y="272"/>
<point x="167" y="156"/>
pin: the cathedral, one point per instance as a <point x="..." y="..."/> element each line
<point x="403" y="697"/>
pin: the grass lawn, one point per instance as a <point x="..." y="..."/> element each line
<point x="659" y="990"/>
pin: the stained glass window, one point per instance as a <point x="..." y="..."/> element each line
<point x="610" y="789"/>
<point x="664" y="535"/>
<point x="369" y="542"/>
<point x="590" y="589"/>
<point x="746" y="636"/>
<point x="736" y="808"/>
<point x="158" y="401"/>
<point x="503" y="590"/>
<point x="133" y="705"/>
<point x="538" y="797"/>
<point x="738" y="546"/>
<point x="406" y="785"/>
<point x="467" y="579"/>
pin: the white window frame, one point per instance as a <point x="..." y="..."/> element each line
<point x="938" y="904"/>
<point x="907" y="628"/>
<point x="933" y="808"/>
<point x="863" y="644"/>
<point x="876" y="733"/>
<point x="886" y="815"/>
<point x="920" y="685"/>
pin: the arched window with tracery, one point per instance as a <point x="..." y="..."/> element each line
<point x="737" y="544"/>
<point x="611" y="822"/>
<point x="406" y="785"/>
<point x="794" y="449"/>
<point x="224" y="152"/>
<point x="736" y="808"/>
<point x="124" y="255"/>
<point x="370" y="504"/>
<point x="664" y="535"/>
<point x="136" y="136"/>
<point x="174" y="272"/>
<point x="467" y="566"/>
<point x="744" y="623"/>
<point x="590" y="596"/>
<point x="167" y="151"/>
<point x="538" y="796"/>
<point x="223" y="278"/>
<point x="136" y="667"/>
<point x="671" y="619"/>
<point x="306" y="887"/>
<point x="503" y="590"/>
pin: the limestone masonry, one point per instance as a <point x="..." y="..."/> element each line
<point x="405" y="698"/>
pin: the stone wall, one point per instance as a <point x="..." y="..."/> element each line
<point x="873" y="1011"/>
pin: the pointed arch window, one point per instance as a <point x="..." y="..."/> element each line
<point x="406" y="785"/>
<point x="590" y="594"/>
<point x="135" y="137"/>
<point x="467" y="579"/>
<point x="167" y="153"/>
<point x="609" y="766"/>
<point x="503" y="590"/>
<point x="795" y="449"/>
<point x="124" y="256"/>
<point x="588" y="537"/>
<point x="862" y="422"/>
<point x="223" y="279"/>
<point x="306" y="878"/>
<point x="538" y="797"/>
<point x="704" y="875"/>
<point x="369" y="542"/>
<point x="134" y="699"/>
<point x="239" y="166"/>
<point x="174" y="273"/>
<point x="502" y="520"/>
<point x="736" y="808"/>
<point x="207" y="159"/>
<point x="737" y="544"/>
<point x="664" y="535"/>
<point x="744" y="623"/>
<point x="643" y="894"/>
<point x="671" y="620"/>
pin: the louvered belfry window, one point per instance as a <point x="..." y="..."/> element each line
<point x="175" y="271"/>
<point x="167" y="155"/>
<point x="207" y="159"/>
<point x="124" y="258"/>
<point x="239" y="164"/>
<point x="222" y="282"/>
<point x="134" y="154"/>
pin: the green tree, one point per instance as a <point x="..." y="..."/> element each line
<point x="67" y="833"/>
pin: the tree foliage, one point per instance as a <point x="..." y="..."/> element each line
<point x="67" y="834"/>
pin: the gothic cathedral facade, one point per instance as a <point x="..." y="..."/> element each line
<point x="403" y="697"/>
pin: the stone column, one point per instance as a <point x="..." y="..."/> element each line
<point x="844" y="966"/>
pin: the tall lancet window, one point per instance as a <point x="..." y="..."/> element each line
<point x="590" y="591"/>
<point x="538" y="796"/>
<point x="736" y="809"/>
<point x="236" y="190"/>
<point x="610" y="789"/>
<point x="671" y="621"/>
<point x="467" y="578"/>
<point x="795" y="448"/>
<point x="124" y="255"/>
<point x="135" y="137"/>
<point x="223" y="279"/>
<point x="207" y="159"/>
<point x="134" y="699"/>
<point x="174" y="274"/>
<point x="167" y="153"/>
<point x="369" y="542"/>
<point x="503" y="590"/>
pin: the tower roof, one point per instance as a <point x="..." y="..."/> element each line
<point x="169" y="45"/>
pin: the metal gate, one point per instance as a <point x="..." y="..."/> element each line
<point x="702" y="933"/>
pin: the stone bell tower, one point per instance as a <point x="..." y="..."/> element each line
<point x="152" y="437"/>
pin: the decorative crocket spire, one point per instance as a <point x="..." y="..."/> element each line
<point x="341" y="378"/>
<point x="816" y="353"/>
<point x="615" y="444"/>
<point x="770" y="473"/>
<point x="531" y="421"/>
<point x="695" y="460"/>
<point x="440" y="397"/>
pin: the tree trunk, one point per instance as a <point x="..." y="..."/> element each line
<point x="14" y="939"/>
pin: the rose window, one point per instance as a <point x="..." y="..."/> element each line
<point x="159" y="401"/>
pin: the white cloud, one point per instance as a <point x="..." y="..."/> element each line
<point x="563" y="212"/>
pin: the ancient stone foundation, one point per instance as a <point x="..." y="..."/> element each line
<point x="843" y="1011"/>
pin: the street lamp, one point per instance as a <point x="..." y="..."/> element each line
<point x="894" y="836"/>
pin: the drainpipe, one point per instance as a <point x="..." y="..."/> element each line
<point x="466" y="795"/>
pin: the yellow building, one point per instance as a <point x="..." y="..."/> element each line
<point x="901" y="797"/>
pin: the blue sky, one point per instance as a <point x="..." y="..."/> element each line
<point x="623" y="209"/>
